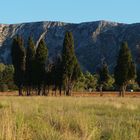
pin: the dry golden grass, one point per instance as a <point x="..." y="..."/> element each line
<point x="69" y="118"/>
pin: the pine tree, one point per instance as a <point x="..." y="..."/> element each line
<point x="40" y="60"/>
<point x="18" y="59"/>
<point x="71" y="68"/>
<point x="30" y="60"/>
<point x="103" y="76"/>
<point x="125" y="69"/>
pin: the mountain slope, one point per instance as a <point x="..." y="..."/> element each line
<point x="94" y="41"/>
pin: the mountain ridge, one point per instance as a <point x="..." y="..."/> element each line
<point x="26" y="22"/>
<point x="95" y="41"/>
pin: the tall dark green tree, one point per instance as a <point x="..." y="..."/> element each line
<point x="103" y="77"/>
<point x="30" y="64"/>
<point x="18" y="59"/>
<point x="40" y="60"/>
<point x="125" y="69"/>
<point x="70" y="66"/>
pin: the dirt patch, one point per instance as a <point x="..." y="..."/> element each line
<point x="105" y="94"/>
<point x="83" y="94"/>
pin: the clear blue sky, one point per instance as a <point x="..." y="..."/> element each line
<point x="17" y="11"/>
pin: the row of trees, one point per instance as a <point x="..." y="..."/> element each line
<point x="31" y="71"/>
<point x="124" y="71"/>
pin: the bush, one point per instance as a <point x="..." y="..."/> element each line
<point x="3" y="87"/>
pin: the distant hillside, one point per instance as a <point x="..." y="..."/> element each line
<point x="94" y="41"/>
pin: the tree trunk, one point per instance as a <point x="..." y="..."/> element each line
<point x="101" y="90"/>
<point x="44" y="90"/>
<point x="67" y="92"/>
<point x="39" y="90"/>
<point x="123" y="90"/>
<point x="28" y="91"/>
<point x="48" y="90"/>
<point x="120" y="93"/>
<point x="60" y="90"/>
<point x="20" y="91"/>
<point x="55" y="89"/>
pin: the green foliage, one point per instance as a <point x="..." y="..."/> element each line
<point x="30" y="62"/>
<point x="132" y="71"/>
<point x="125" y="68"/>
<point x="68" y="55"/>
<point x="105" y="80"/>
<point x="40" y="62"/>
<point x="103" y="74"/>
<point x="109" y="85"/>
<point x="49" y="74"/>
<point x="31" y="71"/>
<point x="80" y="84"/>
<point x="76" y="72"/>
<point x="57" y="72"/>
<point x="3" y="87"/>
<point x="86" y="82"/>
<point x="6" y="78"/>
<point x="90" y="81"/>
<point x="18" y="59"/>
<point x="133" y="86"/>
<point x="71" y="68"/>
<point x="41" y="53"/>
<point x="2" y="67"/>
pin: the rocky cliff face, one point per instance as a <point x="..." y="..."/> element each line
<point x="94" y="41"/>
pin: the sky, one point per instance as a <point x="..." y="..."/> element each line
<point x="74" y="11"/>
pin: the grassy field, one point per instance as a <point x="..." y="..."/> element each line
<point x="69" y="118"/>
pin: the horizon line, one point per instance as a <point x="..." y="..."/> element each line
<point x="26" y="22"/>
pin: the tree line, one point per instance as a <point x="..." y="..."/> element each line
<point x="64" y="74"/>
<point x="31" y="71"/>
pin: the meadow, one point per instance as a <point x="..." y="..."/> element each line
<point x="69" y="118"/>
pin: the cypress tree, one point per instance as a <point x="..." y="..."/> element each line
<point x="18" y="60"/>
<point x="30" y="58"/>
<point x="71" y="68"/>
<point x="125" y="69"/>
<point x="40" y="60"/>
